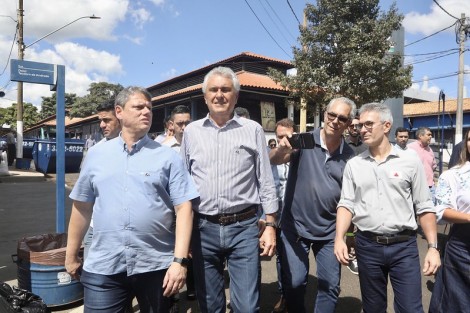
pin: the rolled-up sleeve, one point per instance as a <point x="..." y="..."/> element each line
<point x="347" y="190"/>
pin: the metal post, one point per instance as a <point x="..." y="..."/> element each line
<point x="60" y="149"/>
<point x="459" y="113"/>
<point x="19" y="101"/>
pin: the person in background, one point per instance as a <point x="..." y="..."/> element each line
<point x="425" y="154"/>
<point x="242" y="112"/>
<point x="11" y="147"/>
<point x="309" y="213"/>
<point x="452" y="285"/>
<point x="354" y="139"/>
<point x="401" y="140"/>
<point x="382" y="187"/>
<point x="180" y="118"/>
<point x="272" y="143"/>
<point x="227" y="158"/>
<point x="284" y="128"/>
<point x="168" y="130"/>
<point x="90" y="142"/>
<point x="140" y="196"/>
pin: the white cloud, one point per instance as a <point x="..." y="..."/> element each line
<point x="436" y="19"/>
<point x="140" y="16"/>
<point x="158" y="3"/>
<point x="136" y="40"/>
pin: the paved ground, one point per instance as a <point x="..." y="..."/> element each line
<point x="28" y="208"/>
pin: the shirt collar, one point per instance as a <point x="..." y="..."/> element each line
<point x="136" y="146"/>
<point x="235" y="119"/>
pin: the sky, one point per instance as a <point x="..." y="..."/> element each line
<point x="145" y="42"/>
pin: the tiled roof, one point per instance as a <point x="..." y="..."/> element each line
<point x="433" y="108"/>
<point x="247" y="79"/>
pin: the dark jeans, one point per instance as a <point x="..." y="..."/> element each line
<point x="377" y="262"/>
<point x="452" y="286"/>
<point x="238" y="244"/>
<point x="112" y="293"/>
<point x="11" y="154"/>
<point x="295" y="268"/>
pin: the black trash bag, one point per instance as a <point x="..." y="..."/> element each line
<point x="14" y="300"/>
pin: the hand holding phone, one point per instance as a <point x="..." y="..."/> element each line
<point x="302" y="141"/>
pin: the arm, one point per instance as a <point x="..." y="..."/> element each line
<point x="175" y="276"/>
<point x="267" y="240"/>
<point x="281" y="154"/>
<point x="79" y="222"/>
<point x="432" y="261"/>
<point x="343" y="223"/>
<point x="456" y="217"/>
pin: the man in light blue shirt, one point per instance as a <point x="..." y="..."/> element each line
<point x="140" y="195"/>
<point x="226" y="155"/>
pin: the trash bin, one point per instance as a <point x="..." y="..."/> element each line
<point x="41" y="269"/>
<point x="28" y="144"/>
<point x="44" y="155"/>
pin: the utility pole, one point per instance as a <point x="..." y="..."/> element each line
<point x="459" y="113"/>
<point x="303" y="101"/>
<point x="19" y="101"/>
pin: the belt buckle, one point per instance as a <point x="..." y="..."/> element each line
<point x="383" y="240"/>
<point x="225" y="219"/>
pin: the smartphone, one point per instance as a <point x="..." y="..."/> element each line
<point x="302" y="141"/>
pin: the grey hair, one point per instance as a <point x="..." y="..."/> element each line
<point x="421" y="131"/>
<point x="382" y="109"/>
<point x="347" y="101"/>
<point x="126" y="93"/>
<point x="224" y="72"/>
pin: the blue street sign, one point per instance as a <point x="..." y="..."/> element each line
<point x="33" y="72"/>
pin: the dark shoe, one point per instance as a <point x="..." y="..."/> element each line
<point x="353" y="268"/>
<point x="280" y="306"/>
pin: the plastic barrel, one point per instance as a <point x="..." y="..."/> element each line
<point x="41" y="269"/>
<point x="52" y="283"/>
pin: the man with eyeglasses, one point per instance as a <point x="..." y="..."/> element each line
<point x="384" y="189"/>
<point x="309" y="213"/>
<point x="354" y="139"/>
<point x="180" y="117"/>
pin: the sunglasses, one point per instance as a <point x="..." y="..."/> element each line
<point x="272" y="146"/>
<point x="183" y="123"/>
<point x="332" y="116"/>
<point x="368" y="125"/>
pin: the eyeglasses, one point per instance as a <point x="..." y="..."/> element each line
<point x="332" y="116"/>
<point x="272" y="146"/>
<point x="183" y="123"/>
<point x="368" y="125"/>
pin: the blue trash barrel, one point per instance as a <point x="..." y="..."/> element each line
<point x="41" y="269"/>
<point x="28" y="144"/>
<point x="44" y="155"/>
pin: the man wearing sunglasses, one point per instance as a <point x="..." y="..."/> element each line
<point x="384" y="189"/>
<point x="308" y="218"/>
<point x="179" y="119"/>
<point x="354" y="139"/>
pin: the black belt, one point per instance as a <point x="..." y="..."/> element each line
<point x="227" y="219"/>
<point x="387" y="239"/>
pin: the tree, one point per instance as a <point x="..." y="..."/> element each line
<point x="49" y="104"/>
<point x="30" y="115"/>
<point x="345" y="52"/>
<point x="98" y="93"/>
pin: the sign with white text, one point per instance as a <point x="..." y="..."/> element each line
<point x="32" y="72"/>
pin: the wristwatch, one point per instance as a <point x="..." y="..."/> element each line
<point x="433" y="245"/>
<point x="270" y="224"/>
<point x="182" y="261"/>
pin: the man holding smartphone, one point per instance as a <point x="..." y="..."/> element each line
<point x="309" y="214"/>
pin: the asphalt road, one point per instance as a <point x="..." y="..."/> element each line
<point x="28" y="209"/>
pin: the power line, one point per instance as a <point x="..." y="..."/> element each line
<point x="431" y="35"/>
<point x="444" y="9"/>
<point x="280" y="20"/>
<point x="435" y="78"/>
<point x="274" y="22"/>
<point x="433" y="58"/>
<point x="293" y="12"/>
<point x="267" y="30"/>
<point x="9" y="55"/>
<point x="429" y="53"/>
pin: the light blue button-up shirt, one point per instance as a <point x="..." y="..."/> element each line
<point x="134" y="194"/>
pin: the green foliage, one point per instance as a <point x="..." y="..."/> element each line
<point x="98" y="93"/>
<point x="30" y="115"/>
<point x="49" y="104"/>
<point x="345" y="53"/>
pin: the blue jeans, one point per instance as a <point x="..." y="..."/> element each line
<point x="236" y="243"/>
<point x="112" y="293"/>
<point x="295" y="268"/>
<point x="450" y="292"/>
<point x="377" y="262"/>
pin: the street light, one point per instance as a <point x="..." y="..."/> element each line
<point x="21" y="48"/>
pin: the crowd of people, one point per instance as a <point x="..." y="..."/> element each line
<point x="208" y="195"/>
